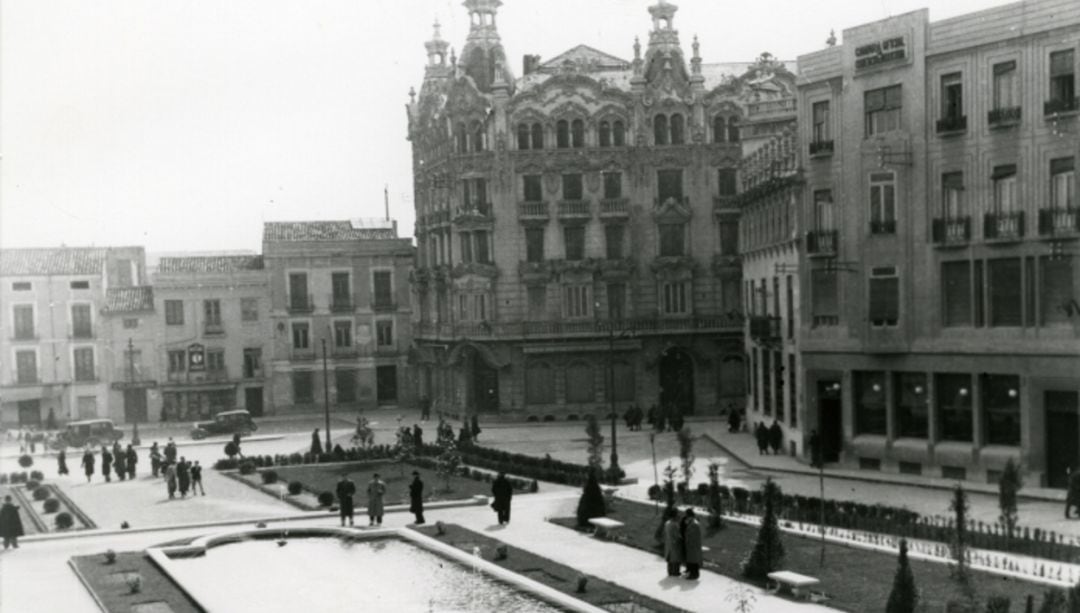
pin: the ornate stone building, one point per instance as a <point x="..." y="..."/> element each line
<point x="575" y="232"/>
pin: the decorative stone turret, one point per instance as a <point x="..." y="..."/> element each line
<point x="438" y="66"/>
<point x="664" y="58"/>
<point x="483" y="57"/>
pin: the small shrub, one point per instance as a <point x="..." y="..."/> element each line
<point x="3" y="478"/>
<point x="549" y="418"/>
<point x="247" y="468"/>
<point x="52" y="505"/>
<point x="295" y="487"/>
<point x="269" y="476"/>
<point x="326" y="499"/>
<point x="532" y="418"/>
<point x="37" y="475"/>
<point x="41" y="493"/>
<point x="110" y="556"/>
<point x="134" y="583"/>
<point x="64" y="521"/>
<point x="26" y="461"/>
<point x="32" y="485"/>
<point x="572" y="417"/>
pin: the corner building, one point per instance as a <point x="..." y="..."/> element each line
<point x="577" y="242"/>
<point x="940" y="329"/>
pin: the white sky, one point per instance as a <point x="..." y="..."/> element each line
<point x="184" y="124"/>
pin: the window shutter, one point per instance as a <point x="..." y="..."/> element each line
<point x="892" y="97"/>
<point x="875" y="100"/>
<point x="1061" y="165"/>
<point x="1002" y="172"/>
<point x="1061" y="63"/>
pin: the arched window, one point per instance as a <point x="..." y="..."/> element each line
<point x="539" y="384"/>
<point x="660" y="130"/>
<point x="605" y="134"/>
<point x="677" y="131"/>
<point x="718" y="129"/>
<point x="476" y="132"/>
<point x="619" y="134"/>
<point x="577" y="133"/>
<point x="523" y="136"/>
<point x="461" y="137"/>
<point x="562" y="134"/>
<point x="733" y="129"/>
<point x="537" y="136"/>
<point x="579" y="383"/>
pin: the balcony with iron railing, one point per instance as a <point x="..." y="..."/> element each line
<point x="1003" y="226"/>
<point x="301" y="303"/>
<point x="821" y="242"/>
<point x="821" y="148"/>
<point x="615" y="208"/>
<point x="765" y="328"/>
<point x="82" y="331"/>
<point x="341" y="303"/>
<point x="1059" y="221"/>
<point x="473" y="212"/>
<point x="883" y="226"/>
<point x="344" y="351"/>
<point x="951" y="230"/>
<point x="383" y="304"/>
<point x="574" y="209"/>
<point x="27" y="377"/>
<point x="302" y="354"/>
<point x="1060" y="106"/>
<point x="683" y="200"/>
<point x="533" y="210"/>
<point x="1003" y="117"/>
<point x="952" y="124"/>
<point x="520" y="330"/>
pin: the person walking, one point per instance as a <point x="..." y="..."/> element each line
<point x="61" y="462"/>
<point x="131" y="460"/>
<point x="417" y="437"/>
<point x="106" y="463"/>
<point x="776" y="437"/>
<point x="196" y="479"/>
<point x="236" y="442"/>
<point x="691" y="535"/>
<point x="416" y="497"/>
<point x="504" y="494"/>
<point x="375" y="492"/>
<point x="673" y="544"/>
<point x="761" y="434"/>
<point x="183" y="476"/>
<point x="1072" y="498"/>
<point x="170" y="450"/>
<point x="425" y="408"/>
<point x="170" y="479"/>
<point x="316" y="444"/>
<point x="11" y="527"/>
<point x="345" y="491"/>
<point x="155" y="459"/>
<point x="119" y="461"/>
<point x="88" y="464"/>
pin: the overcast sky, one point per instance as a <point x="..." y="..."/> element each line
<point x="183" y="125"/>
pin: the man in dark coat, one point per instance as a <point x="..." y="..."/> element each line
<point x="345" y="491"/>
<point x="674" y="552"/>
<point x="316" y="444"/>
<point x="88" y="464"/>
<point x="170" y="450"/>
<point x="676" y="418"/>
<point x="417" y="437"/>
<point x="155" y="459"/>
<point x="196" y="479"/>
<point x="761" y="433"/>
<point x="119" y="461"/>
<point x="106" y="463"/>
<point x="131" y="459"/>
<point x="416" y="497"/>
<point x="503" y="493"/>
<point x="776" y="437"/>
<point x="11" y="527"/>
<point x="183" y="476"/>
<point x="733" y="419"/>
<point x="61" y="462"/>
<point x="691" y="533"/>
<point x="425" y="408"/>
<point x="651" y="416"/>
<point x="1072" y="498"/>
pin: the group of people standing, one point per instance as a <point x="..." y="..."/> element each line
<point x="118" y="461"/>
<point x="682" y="544"/>
<point x="769" y="437"/>
<point x="376" y="492"/>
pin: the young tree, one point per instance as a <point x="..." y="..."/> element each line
<point x="686" y="453"/>
<point x="595" y="444"/>
<point x="716" y="502"/>
<point x="591" y="504"/>
<point x="1074" y="599"/>
<point x="1008" y="488"/>
<point x="405" y="448"/>
<point x="768" y="552"/>
<point x="959" y="545"/>
<point x="904" y="596"/>
<point x="668" y="490"/>
<point x="449" y="457"/>
<point x="231" y="449"/>
<point x="364" y="436"/>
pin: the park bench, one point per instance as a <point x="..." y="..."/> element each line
<point x="798" y="584"/>
<point x="604" y="526"/>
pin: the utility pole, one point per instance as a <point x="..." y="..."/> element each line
<point x="611" y="396"/>
<point x="386" y="200"/>
<point x="326" y="393"/>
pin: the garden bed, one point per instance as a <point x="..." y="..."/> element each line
<point x="598" y="592"/>
<point x="855" y="579"/>
<point x="40" y="512"/>
<point x="108" y="585"/>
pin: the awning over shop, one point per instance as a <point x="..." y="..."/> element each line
<point x="487" y="354"/>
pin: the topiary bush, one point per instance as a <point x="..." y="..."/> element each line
<point x="52" y="505"/>
<point x="37" y="475"/>
<point x="326" y="499"/>
<point x="269" y="476"/>
<point x="26" y="461"/>
<point x="41" y="493"/>
<point x="32" y="485"/>
<point x="247" y="468"/>
<point x="64" y="521"/>
<point x="295" y="487"/>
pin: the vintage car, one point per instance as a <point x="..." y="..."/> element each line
<point x="92" y="432"/>
<point x="226" y="422"/>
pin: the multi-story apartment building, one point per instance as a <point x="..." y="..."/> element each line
<point x="213" y="338"/>
<point x="576" y="246"/>
<point x="769" y="245"/>
<point x="131" y="325"/>
<point x="52" y="341"/>
<point x="941" y="335"/>
<point x="339" y="313"/>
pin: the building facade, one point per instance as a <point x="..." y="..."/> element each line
<point x="941" y="331"/>
<point x="131" y="325"/>
<point x="576" y="244"/>
<point x="340" y="314"/>
<point x="55" y="350"/>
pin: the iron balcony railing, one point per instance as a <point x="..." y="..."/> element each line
<point x="1061" y="105"/>
<point x="885" y="226"/>
<point x="951" y="230"/>
<point x="821" y="147"/>
<point x="574" y="208"/>
<point x="340" y="303"/>
<point x="301" y="303"/>
<point x="533" y="209"/>
<point x="821" y="242"/>
<point x="1003" y="225"/>
<point x="615" y="206"/>
<point x="1059" y="221"/>
<point x="1005" y="116"/>
<point x="765" y="327"/>
<point x="952" y="123"/>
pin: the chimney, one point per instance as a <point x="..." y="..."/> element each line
<point x="529" y="64"/>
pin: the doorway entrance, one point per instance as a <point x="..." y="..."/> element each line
<point x="135" y="406"/>
<point x="830" y="420"/>
<point x="1062" y="429"/>
<point x="677" y="380"/>
<point x="253" y="401"/>
<point x="485" y="387"/>
<point x="29" y="413"/>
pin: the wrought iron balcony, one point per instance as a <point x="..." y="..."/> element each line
<point x="384" y="304"/>
<point x="305" y="354"/>
<point x="765" y="328"/>
<point x="821" y="147"/>
<point x="574" y="209"/>
<point x="301" y="303"/>
<point x="1006" y="116"/>
<point x="1061" y="105"/>
<point x="952" y="124"/>
<point x="1060" y="221"/>
<point x="886" y="226"/>
<point x="615" y="207"/>
<point x="533" y="210"/>
<point x="731" y="322"/>
<point x="951" y="230"/>
<point x="341" y="303"/>
<point x="1000" y="226"/>
<point x="821" y="242"/>
<point x="684" y="200"/>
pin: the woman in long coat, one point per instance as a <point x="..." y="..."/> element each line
<point x="88" y="463"/>
<point x="375" y="492"/>
<point x="691" y="533"/>
<point x="503" y="493"/>
<point x="132" y="460"/>
<point x="183" y="476"/>
<point x="106" y="463"/>
<point x="416" y="497"/>
<point x="61" y="462"/>
<point x="119" y="461"/>
<point x="11" y="527"/>
<point x="673" y="544"/>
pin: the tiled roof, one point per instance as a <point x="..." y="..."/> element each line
<point x="287" y="231"/>
<point x="210" y="264"/>
<point x="129" y="299"/>
<point x="52" y="261"/>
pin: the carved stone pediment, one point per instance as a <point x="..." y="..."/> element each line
<point x="575" y="268"/>
<point x="466" y="269"/>
<point x="673" y="268"/>
<point x="672" y="211"/>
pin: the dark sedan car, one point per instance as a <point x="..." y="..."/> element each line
<point x="227" y="422"/>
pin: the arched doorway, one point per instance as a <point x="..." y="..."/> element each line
<point x="677" y="380"/>
<point x="485" y="387"/>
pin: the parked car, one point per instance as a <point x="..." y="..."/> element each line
<point x="92" y="432"/>
<point x="227" y="422"/>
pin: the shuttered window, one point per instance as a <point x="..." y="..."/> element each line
<point x="1006" y="292"/>
<point x="539" y="384"/>
<point x="956" y="293"/>
<point x="884" y="297"/>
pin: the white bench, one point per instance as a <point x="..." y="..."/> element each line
<point x="796" y="582"/>
<point x="604" y="526"/>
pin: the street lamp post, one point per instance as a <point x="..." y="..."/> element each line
<point x="326" y="394"/>
<point x="611" y="396"/>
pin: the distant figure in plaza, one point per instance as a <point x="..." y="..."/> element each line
<point x="651" y="415"/>
<point x="425" y="408"/>
<point x="417" y="436"/>
<point x="236" y="441"/>
<point x="815" y="449"/>
<point x="88" y="464"/>
<point x="733" y="419"/>
<point x="633" y="417"/>
<point x="345" y="491"/>
<point x="183" y="476"/>
<point x="196" y="479"/>
<point x="131" y="460"/>
<point x="11" y="527"/>
<point x="170" y="451"/>
<point x="316" y="444"/>
<point x="32" y="442"/>
<point x="119" y="461"/>
<point x="691" y="535"/>
<point x="1072" y="499"/>
<point x="475" y="427"/>
<point x="503" y="493"/>
<point x="416" y="497"/>
<point x="676" y="418"/>
<point x="155" y="459"/>
<point x="106" y="463"/>
<point x="61" y="462"/>
<point x="375" y="492"/>
<point x="761" y="434"/>
<point x="673" y="544"/>
<point x="170" y="479"/>
<point x="776" y="437"/>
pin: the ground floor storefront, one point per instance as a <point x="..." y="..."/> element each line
<point x="345" y="383"/>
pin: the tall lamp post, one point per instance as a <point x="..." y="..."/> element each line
<point x="612" y="337"/>
<point x="326" y="393"/>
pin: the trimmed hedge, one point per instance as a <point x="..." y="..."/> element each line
<point x="64" y="521"/>
<point x="41" y="493"/>
<point x="32" y="485"/>
<point x="295" y="488"/>
<point x="14" y="478"/>
<point x="52" y="505"/>
<point x="37" y="475"/>
<point x="326" y="499"/>
<point x="269" y="476"/>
